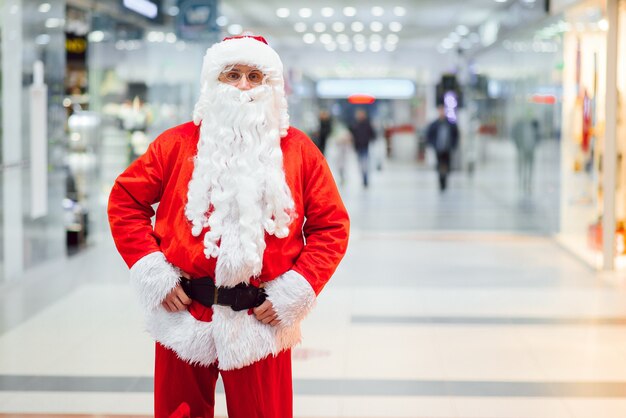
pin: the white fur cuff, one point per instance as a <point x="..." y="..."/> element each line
<point x="153" y="277"/>
<point x="292" y="297"/>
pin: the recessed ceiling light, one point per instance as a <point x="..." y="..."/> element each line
<point x="282" y="12"/>
<point x="339" y="26"/>
<point x="395" y="26"/>
<point x="54" y="22"/>
<point x="342" y="38"/>
<point x="399" y="11"/>
<point x="349" y="11"/>
<point x="376" y="26"/>
<point x="44" y="7"/>
<point x="392" y="38"/>
<point x="377" y="11"/>
<point x="308" y="38"/>
<point x="305" y="12"/>
<point x="462" y="30"/>
<point x="222" y="21"/>
<point x="375" y="46"/>
<point x="319" y="27"/>
<point x="326" y="38"/>
<point x="358" y="39"/>
<point x="173" y="11"/>
<point x="300" y="27"/>
<point x="328" y="11"/>
<point x="357" y="26"/>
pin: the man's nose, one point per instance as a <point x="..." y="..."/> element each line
<point x="243" y="83"/>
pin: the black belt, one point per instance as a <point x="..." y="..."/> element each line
<point x="239" y="298"/>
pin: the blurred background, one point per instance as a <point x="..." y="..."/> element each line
<point x="485" y="275"/>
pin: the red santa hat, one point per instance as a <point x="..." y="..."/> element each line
<point x="249" y="50"/>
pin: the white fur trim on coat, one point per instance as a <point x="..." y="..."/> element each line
<point x="292" y="297"/>
<point x="153" y="277"/>
<point x="234" y="339"/>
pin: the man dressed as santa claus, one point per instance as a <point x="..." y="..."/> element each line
<point x="249" y="228"/>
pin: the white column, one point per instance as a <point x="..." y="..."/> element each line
<point x="13" y="236"/>
<point x="609" y="160"/>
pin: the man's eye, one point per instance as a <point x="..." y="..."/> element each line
<point x="233" y="76"/>
<point x="255" y="77"/>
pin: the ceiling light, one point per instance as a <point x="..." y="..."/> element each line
<point x="376" y="38"/>
<point x="399" y="11"/>
<point x="282" y="12"/>
<point x="96" y="36"/>
<point x="603" y="25"/>
<point x="376" y="26"/>
<point x="328" y="11"/>
<point x="44" y="7"/>
<point x="462" y="30"/>
<point x="155" y="36"/>
<point x="235" y="29"/>
<point x="447" y="44"/>
<point x="222" y="21"/>
<point x="319" y="27"/>
<point x="358" y="39"/>
<point x="349" y="11"/>
<point x="501" y="1"/>
<point x="357" y="26"/>
<point x="305" y="12"/>
<point x="339" y="26"/>
<point x="395" y="26"/>
<point x="300" y="27"/>
<point x="326" y="38"/>
<point x="377" y="11"/>
<point x="173" y="11"/>
<point x="342" y="38"/>
<point x="345" y="47"/>
<point x="392" y="38"/>
<point x="53" y="22"/>
<point x="375" y="46"/>
<point x="308" y="38"/>
<point x="331" y="46"/>
<point x="171" y="38"/>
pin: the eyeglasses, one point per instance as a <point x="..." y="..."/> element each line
<point x="254" y="77"/>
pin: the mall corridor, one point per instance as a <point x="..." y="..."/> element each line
<point x="424" y="318"/>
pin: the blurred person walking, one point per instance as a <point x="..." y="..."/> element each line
<point x="363" y="134"/>
<point x="249" y="229"/>
<point x="341" y="140"/>
<point x="443" y="136"/>
<point x="525" y="134"/>
<point x="326" y="126"/>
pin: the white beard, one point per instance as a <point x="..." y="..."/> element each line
<point x="238" y="176"/>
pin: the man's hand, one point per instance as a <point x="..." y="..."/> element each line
<point x="266" y="314"/>
<point x="176" y="300"/>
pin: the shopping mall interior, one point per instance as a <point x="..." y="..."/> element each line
<point x="491" y="284"/>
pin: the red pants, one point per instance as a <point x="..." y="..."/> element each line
<point x="260" y="390"/>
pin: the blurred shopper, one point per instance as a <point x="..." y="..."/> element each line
<point x="341" y="139"/>
<point x="326" y="125"/>
<point x="443" y="136"/>
<point x="362" y="133"/>
<point x="525" y="135"/>
<point x="225" y="276"/>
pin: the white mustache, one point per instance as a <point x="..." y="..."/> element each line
<point x="246" y="96"/>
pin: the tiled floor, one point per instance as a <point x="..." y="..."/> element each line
<point x="456" y="305"/>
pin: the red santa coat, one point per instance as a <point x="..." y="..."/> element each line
<point x="293" y="272"/>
